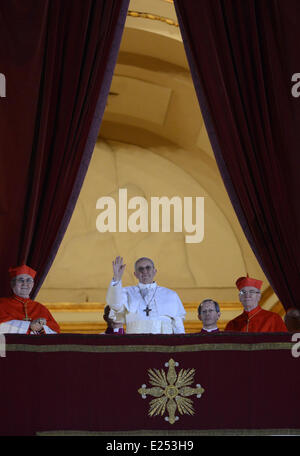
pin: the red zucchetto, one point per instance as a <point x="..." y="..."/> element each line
<point x="248" y="282"/>
<point x="23" y="269"/>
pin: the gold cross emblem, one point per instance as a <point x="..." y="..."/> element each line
<point x="171" y="391"/>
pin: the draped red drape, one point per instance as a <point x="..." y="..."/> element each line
<point x="57" y="58"/>
<point x="242" y="56"/>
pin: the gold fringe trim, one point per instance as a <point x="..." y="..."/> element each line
<point x="147" y="348"/>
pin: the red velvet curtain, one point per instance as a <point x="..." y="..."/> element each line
<point x="243" y="55"/>
<point x="57" y="58"/>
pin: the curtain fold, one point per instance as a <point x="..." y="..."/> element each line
<point x="242" y="57"/>
<point x="58" y="60"/>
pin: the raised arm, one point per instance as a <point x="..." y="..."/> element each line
<point x="118" y="269"/>
<point x="115" y="297"/>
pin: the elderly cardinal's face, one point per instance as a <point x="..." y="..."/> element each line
<point x="22" y="285"/>
<point x="249" y="297"/>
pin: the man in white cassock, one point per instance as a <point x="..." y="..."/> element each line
<point x="145" y="308"/>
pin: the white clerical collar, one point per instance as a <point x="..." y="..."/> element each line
<point x="147" y="286"/>
<point x="210" y="329"/>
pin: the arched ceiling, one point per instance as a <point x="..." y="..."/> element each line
<point x="153" y="104"/>
<point x="152" y="107"/>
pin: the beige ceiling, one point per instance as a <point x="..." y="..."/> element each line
<point x="154" y="105"/>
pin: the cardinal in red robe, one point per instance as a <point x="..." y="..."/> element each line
<point x="254" y="318"/>
<point x="19" y="313"/>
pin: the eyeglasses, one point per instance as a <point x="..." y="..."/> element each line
<point x="27" y="281"/>
<point x="147" y="268"/>
<point x="251" y="292"/>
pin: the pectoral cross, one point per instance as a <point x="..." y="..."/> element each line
<point x="147" y="310"/>
<point x="26" y="315"/>
<point x="25" y="309"/>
